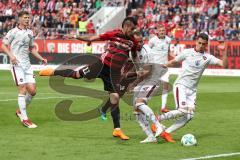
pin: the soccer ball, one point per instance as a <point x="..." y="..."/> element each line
<point x="188" y="140"/>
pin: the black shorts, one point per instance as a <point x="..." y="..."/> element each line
<point x="111" y="78"/>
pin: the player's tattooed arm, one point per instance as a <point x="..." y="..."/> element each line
<point x="84" y="38"/>
<point x="141" y="75"/>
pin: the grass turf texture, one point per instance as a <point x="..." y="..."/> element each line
<point x="215" y="125"/>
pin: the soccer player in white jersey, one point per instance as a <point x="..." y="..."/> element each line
<point x="194" y="61"/>
<point x="149" y="84"/>
<point x="160" y="49"/>
<point x="20" y="39"/>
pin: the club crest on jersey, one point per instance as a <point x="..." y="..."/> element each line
<point x="197" y="63"/>
<point x="183" y="103"/>
<point x="204" y="57"/>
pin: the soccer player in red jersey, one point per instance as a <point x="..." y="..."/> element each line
<point x="120" y="44"/>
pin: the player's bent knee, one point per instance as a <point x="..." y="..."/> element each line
<point x="32" y="93"/>
<point x="114" y="98"/>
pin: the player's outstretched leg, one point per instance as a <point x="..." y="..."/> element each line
<point x="64" y="73"/>
<point x="46" y="72"/>
<point x="166" y="116"/>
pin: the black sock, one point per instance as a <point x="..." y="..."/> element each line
<point x="65" y="73"/>
<point x="106" y="106"/>
<point x="115" y="113"/>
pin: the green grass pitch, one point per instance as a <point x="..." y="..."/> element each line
<point x="215" y="125"/>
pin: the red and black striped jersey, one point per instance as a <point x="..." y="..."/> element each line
<point x="117" y="48"/>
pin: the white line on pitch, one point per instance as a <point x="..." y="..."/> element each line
<point x="17" y="93"/>
<point x="6" y="100"/>
<point x="214" y="156"/>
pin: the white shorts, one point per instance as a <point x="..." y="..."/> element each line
<point x="165" y="77"/>
<point x="146" y="89"/>
<point x="22" y="76"/>
<point x="184" y="97"/>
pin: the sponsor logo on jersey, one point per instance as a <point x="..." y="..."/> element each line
<point x="183" y="103"/>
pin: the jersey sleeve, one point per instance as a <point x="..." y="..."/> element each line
<point x="8" y="38"/>
<point x="107" y="35"/>
<point x="151" y="42"/>
<point x="213" y="60"/>
<point x="182" y="56"/>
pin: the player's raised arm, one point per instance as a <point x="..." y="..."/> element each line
<point x="89" y="38"/>
<point x="182" y="56"/>
<point x="102" y="37"/>
<point x="84" y="38"/>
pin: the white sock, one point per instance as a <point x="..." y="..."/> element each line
<point x="178" y="124"/>
<point x="164" y="98"/>
<point x="22" y="106"/>
<point x="144" y="124"/>
<point x="170" y="115"/>
<point x="28" y="99"/>
<point x="149" y="114"/>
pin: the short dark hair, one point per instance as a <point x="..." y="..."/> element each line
<point x="129" y="19"/>
<point x="21" y="13"/>
<point x="204" y="36"/>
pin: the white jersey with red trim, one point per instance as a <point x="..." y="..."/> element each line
<point x="193" y="65"/>
<point x="20" y="41"/>
<point x="159" y="49"/>
<point x="146" y="58"/>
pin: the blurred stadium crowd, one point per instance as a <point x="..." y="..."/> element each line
<point x="184" y="19"/>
